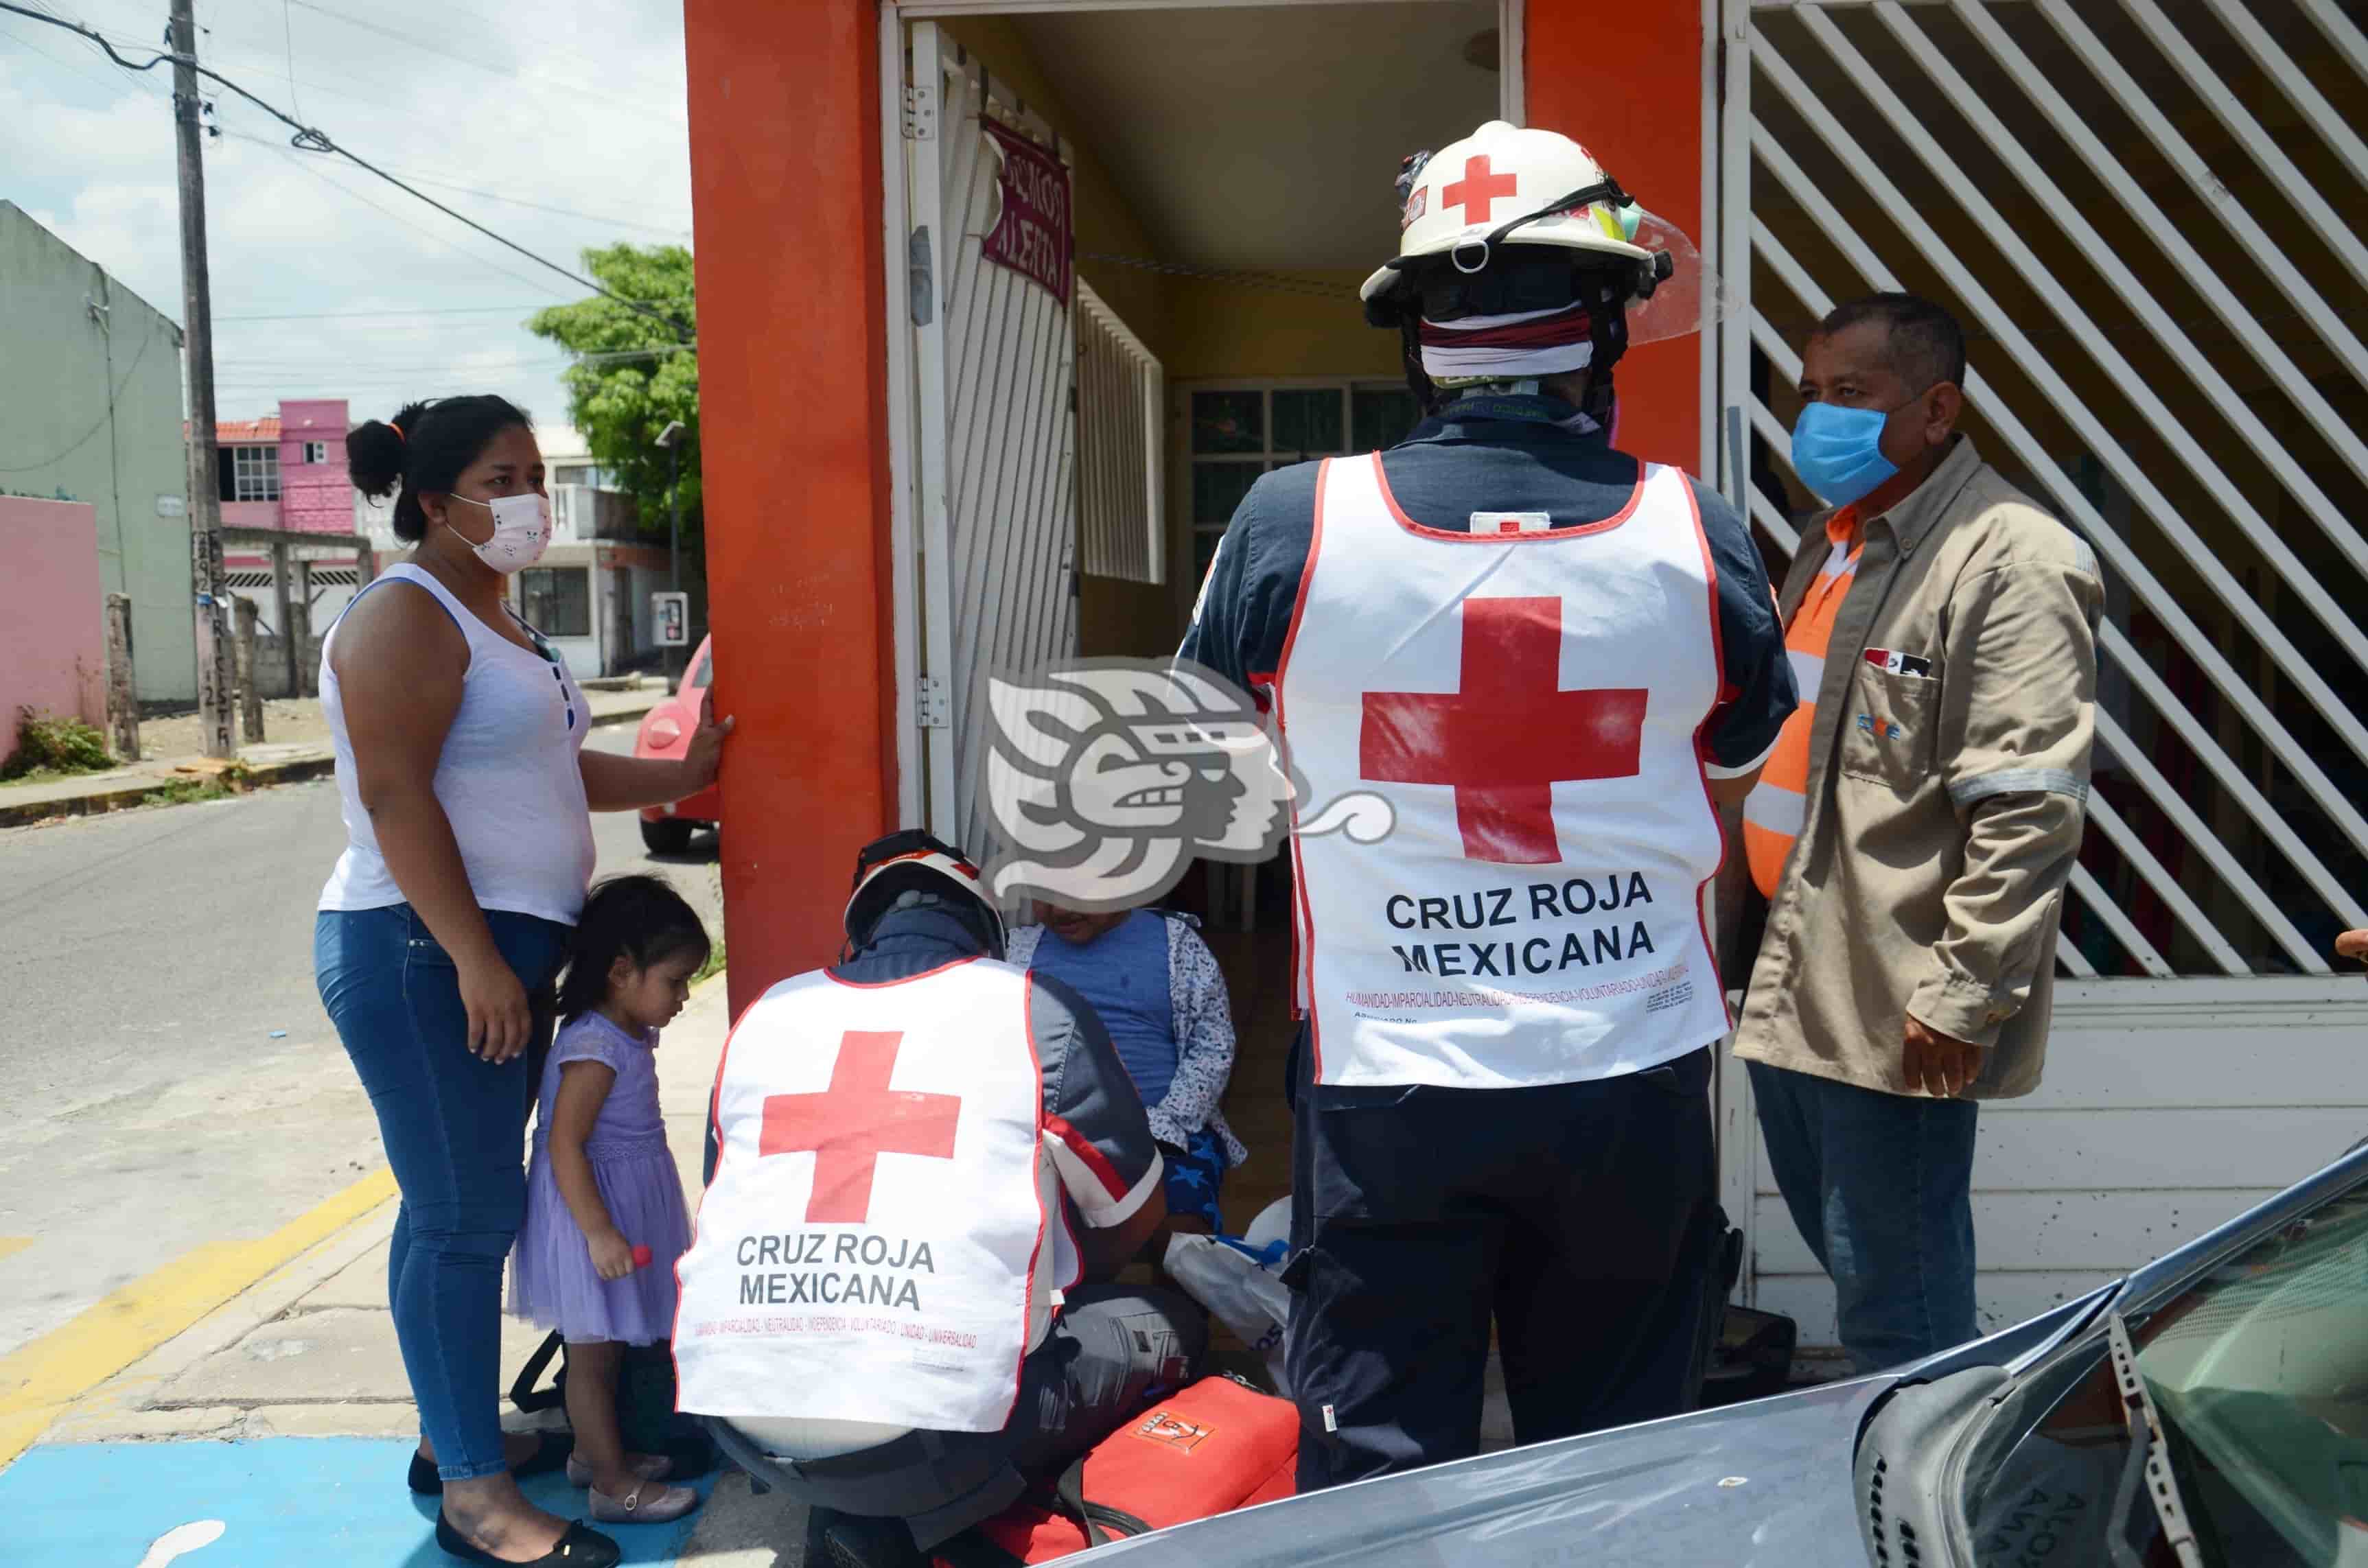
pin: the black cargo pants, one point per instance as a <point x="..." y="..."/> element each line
<point x="1579" y="1219"/>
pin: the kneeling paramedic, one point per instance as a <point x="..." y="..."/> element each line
<point x="1554" y="664"/>
<point x="917" y="1159"/>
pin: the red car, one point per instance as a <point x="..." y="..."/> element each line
<point x="666" y="730"/>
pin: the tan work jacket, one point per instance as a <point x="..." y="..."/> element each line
<point x="1946" y="808"/>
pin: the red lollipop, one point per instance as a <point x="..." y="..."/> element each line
<point x="642" y="1255"/>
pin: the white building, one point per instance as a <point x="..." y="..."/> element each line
<point x="590" y="593"/>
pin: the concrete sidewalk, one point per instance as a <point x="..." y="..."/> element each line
<point x="296" y="1368"/>
<point x="260" y="765"/>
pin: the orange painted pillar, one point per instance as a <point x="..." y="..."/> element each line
<point x="1625" y="82"/>
<point x="786" y="196"/>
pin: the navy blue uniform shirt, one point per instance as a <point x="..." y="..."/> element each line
<point x="1496" y="454"/>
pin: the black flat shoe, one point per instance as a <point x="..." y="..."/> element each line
<point x="579" y="1548"/>
<point x="550" y="1451"/>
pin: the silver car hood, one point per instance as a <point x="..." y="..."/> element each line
<point x="1767" y="1482"/>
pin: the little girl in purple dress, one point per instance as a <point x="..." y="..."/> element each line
<point x="604" y="1211"/>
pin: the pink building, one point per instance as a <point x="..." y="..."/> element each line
<point x="288" y="470"/>
<point x="53" y="639"/>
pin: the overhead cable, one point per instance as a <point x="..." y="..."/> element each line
<point x="310" y="139"/>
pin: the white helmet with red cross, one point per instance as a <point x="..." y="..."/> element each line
<point x="914" y="867"/>
<point x="1503" y="184"/>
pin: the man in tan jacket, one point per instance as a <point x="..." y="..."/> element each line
<point x="1915" y="826"/>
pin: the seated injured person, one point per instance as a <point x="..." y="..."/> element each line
<point x="924" y="1162"/>
<point x="1156" y="988"/>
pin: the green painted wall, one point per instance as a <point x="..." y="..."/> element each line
<point x="62" y="365"/>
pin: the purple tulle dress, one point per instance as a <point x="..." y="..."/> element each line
<point x="552" y="1282"/>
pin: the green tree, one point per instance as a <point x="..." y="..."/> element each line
<point x="630" y="380"/>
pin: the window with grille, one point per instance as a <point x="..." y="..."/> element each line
<point x="1120" y="500"/>
<point x="247" y="473"/>
<point x="1236" y="430"/>
<point x="557" y="600"/>
<point x="253" y="473"/>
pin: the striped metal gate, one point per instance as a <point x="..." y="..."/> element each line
<point x="994" y="360"/>
<point x="2137" y="208"/>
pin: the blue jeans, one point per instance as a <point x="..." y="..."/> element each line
<point x="1880" y="1188"/>
<point x="454" y="1129"/>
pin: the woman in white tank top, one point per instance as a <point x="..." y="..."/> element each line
<point x="460" y="736"/>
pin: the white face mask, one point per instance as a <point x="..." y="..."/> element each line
<point x="521" y="531"/>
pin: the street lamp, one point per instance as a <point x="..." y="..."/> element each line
<point x="671" y="439"/>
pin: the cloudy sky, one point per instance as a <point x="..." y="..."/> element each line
<point x="557" y="123"/>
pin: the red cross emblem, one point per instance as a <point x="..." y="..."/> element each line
<point x="1509" y="737"/>
<point x="858" y="1119"/>
<point x="1479" y="186"/>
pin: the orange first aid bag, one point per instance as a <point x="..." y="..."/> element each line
<point x="1217" y="1446"/>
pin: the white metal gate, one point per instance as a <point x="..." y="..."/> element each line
<point x="994" y="358"/>
<point x="2133" y="206"/>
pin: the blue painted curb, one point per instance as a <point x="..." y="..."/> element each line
<point x="283" y="1503"/>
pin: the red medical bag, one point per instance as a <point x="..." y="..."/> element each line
<point x="1218" y="1445"/>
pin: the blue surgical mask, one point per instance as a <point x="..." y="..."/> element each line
<point x="1837" y="451"/>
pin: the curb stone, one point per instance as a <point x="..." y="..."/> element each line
<point x="136" y="1404"/>
<point x="253" y="776"/>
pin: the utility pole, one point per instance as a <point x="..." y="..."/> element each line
<point x="674" y="519"/>
<point x="671" y="439"/>
<point x="215" y="700"/>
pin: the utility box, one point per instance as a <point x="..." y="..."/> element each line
<point x="673" y="612"/>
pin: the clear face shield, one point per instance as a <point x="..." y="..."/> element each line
<point x="1674" y="291"/>
<point x="1691" y="297"/>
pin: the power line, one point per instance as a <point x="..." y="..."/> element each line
<point x="351" y="90"/>
<point x="495" y="195"/>
<point x="423" y="311"/>
<point x="673" y="231"/>
<point x="288" y="38"/>
<point x="311" y="140"/>
<point x="411" y="42"/>
<point x="340" y="186"/>
<point x="250" y="369"/>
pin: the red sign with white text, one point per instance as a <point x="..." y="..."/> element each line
<point x="1032" y="237"/>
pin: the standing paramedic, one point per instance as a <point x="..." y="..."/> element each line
<point x="923" y="1164"/>
<point x="1553" y="661"/>
<point x="1915" y="829"/>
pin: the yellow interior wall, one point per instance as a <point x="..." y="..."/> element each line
<point x="1200" y="329"/>
<point x="1224" y="330"/>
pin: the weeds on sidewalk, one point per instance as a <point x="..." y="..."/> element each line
<point x="714" y="964"/>
<point x="51" y="747"/>
<point x="195" y="792"/>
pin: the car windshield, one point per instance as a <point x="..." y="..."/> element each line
<point x="2260" y="1374"/>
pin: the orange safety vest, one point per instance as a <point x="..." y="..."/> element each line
<point x="1779" y="803"/>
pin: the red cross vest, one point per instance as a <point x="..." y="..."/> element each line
<point x="1530" y="701"/>
<point x="868" y="1248"/>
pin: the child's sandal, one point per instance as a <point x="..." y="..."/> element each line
<point x="639" y="1507"/>
<point x="646" y="1467"/>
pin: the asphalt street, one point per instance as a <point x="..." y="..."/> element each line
<point x="167" y="1077"/>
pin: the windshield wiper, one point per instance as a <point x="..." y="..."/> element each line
<point x="2149" y="1463"/>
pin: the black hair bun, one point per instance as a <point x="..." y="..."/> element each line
<point x="374" y="453"/>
